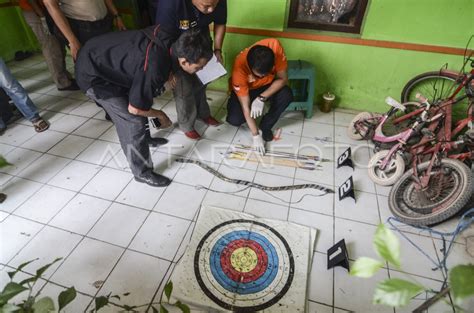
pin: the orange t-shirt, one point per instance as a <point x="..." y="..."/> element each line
<point x="243" y="80"/>
<point x="25" y="5"/>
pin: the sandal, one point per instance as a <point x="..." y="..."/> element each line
<point x="40" y="125"/>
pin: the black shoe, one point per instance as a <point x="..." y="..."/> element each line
<point x="156" y="142"/>
<point x="73" y="86"/>
<point x="3" y="197"/>
<point x="107" y="117"/>
<point x="2" y="130"/>
<point x="267" y="135"/>
<point x="154" y="180"/>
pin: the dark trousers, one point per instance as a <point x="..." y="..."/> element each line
<point x="190" y="98"/>
<point x="131" y="131"/>
<point x="278" y="104"/>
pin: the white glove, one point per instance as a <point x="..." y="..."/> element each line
<point x="258" y="144"/>
<point x="257" y="108"/>
<point x="45" y="25"/>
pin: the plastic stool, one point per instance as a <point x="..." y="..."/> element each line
<point x="303" y="91"/>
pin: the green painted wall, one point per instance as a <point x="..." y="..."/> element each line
<point x="362" y="76"/>
<point x="15" y="35"/>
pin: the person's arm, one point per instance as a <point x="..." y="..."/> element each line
<point x="62" y="23"/>
<point x="219" y="34"/>
<point x="117" y="18"/>
<point x="245" y="104"/>
<point x="281" y="80"/>
<point x="164" y="119"/>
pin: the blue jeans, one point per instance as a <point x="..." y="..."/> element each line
<point x="17" y="93"/>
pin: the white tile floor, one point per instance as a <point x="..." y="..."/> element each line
<point x="71" y="195"/>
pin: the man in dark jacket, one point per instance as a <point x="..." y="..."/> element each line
<point x="123" y="71"/>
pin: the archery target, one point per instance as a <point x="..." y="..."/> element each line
<point x="244" y="265"/>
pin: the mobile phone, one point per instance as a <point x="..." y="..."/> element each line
<point x="155" y="122"/>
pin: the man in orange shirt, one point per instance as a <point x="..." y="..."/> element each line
<point x="259" y="75"/>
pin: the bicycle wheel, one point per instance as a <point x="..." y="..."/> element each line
<point x="435" y="86"/>
<point x="392" y="172"/>
<point x="449" y="190"/>
<point x="361" y="127"/>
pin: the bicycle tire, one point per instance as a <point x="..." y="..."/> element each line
<point x="393" y="172"/>
<point x="435" y="86"/>
<point x="455" y="201"/>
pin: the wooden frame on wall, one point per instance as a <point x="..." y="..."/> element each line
<point x="331" y="15"/>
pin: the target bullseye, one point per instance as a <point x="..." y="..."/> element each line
<point x="244" y="265"/>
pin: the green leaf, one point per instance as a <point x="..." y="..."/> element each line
<point x="100" y="302"/>
<point x="29" y="280"/>
<point x="169" y="289"/>
<point x="154" y="310"/>
<point x="184" y="308"/>
<point x="163" y="309"/>
<point x="461" y="280"/>
<point x="387" y="245"/>
<point x="43" y="269"/>
<point x="116" y="297"/>
<point x="9" y="308"/>
<point x="66" y="297"/>
<point x="12" y="274"/>
<point x="11" y="290"/>
<point x="44" y="305"/>
<point x="365" y="267"/>
<point x="396" y="292"/>
<point x="3" y="162"/>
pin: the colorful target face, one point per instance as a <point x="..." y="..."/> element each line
<point x="244" y="265"/>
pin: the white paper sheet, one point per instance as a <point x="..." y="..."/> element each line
<point x="212" y="71"/>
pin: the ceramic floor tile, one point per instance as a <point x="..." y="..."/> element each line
<point x="355" y="294"/>
<point x="71" y="146"/>
<point x="88" y="266"/>
<point x="140" y="195"/>
<point x="365" y="209"/>
<point x="343" y="118"/>
<point x="79" y="304"/>
<point x="86" y="109"/>
<point x="4" y="178"/>
<point x="277" y="197"/>
<point x="119" y="162"/>
<point x="313" y="200"/>
<point x="19" y="159"/>
<point x="320" y="284"/>
<point x="165" y="164"/>
<point x="44" y="141"/>
<point x="287" y="143"/>
<point x="266" y="210"/>
<point x="19" y="232"/>
<point x="359" y="176"/>
<point x="44" y="168"/>
<point x="289" y="126"/>
<point x="358" y="238"/>
<point x="314" y="307"/>
<point x="80" y="214"/>
<point x="322" y="223"/>
<point x="75" y="175"/>
<point x="107" y="184"/>
<point x="209" y="150"/>
<point x="45" y="203"/>
<point x="44" y="101"/>
<point x="63" y="105"/>
<point x="173" y="203"/>
<point x="268" y="168"/>
<point x="224" y="201"/>
<point x="110" y="135"/>
<point x="18" y="190"/>
<point x="178" y="144"/>
<point x="295" y="115"/>
<point x="17" y="134"/>
<point x="323" y="174"/>
<point x="233" y="173"/>
<point x="118" y="225"/>
<point x="3" y="216"/>
<point x="243" y="137"/>
<point x="313" y="130"/>
<point x="93" y="128"/>
<point x="100" y="152"/>
<point x="160" y="236"/>
<point x="341" y="137"/>
<point x="4" y="149"/>
<point x="59" y="244"/>
<point x="193" y="174"/>
<point x="141" y="281"/>
<point x="68" y="123"/>
<point x="224" y="133"/>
